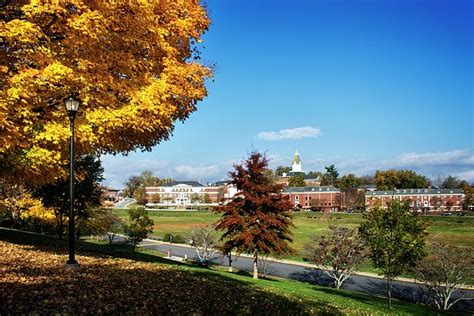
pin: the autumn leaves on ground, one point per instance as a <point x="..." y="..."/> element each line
<point x="115" y="280"/>
<point x="35" y="281"/>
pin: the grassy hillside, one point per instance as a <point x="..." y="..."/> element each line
<point x="114" y="280"/>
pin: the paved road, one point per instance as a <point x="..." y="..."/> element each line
<point x="402" y="290"/>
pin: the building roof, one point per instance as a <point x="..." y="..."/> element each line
<point x="296" y="173"/>
<point x="369" y="187"/>
<point x="414" y="192"/>
<point x="327" y="188"/>
<point x="190" y="183"/>
<point x="220" y="183"/>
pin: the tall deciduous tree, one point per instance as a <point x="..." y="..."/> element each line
<point x="396" y="239"/>
<point x="257" y="220"/>
<point x="134" y="65"/>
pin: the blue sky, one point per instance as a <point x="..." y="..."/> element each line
<point x="365" y="85"/>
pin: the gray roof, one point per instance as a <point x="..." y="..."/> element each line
<point x="224" y="182"/>
<point x="415" y="191"/>
<point x="328" y="188"/>
<point x="190" y="183"/>
<point x="295" y="173"/>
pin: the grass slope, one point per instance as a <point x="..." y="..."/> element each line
<point x="114" y="280"/>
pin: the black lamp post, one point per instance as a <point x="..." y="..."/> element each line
<point x="72" y="105"/>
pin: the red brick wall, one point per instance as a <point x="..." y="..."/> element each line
<point x="325" y="201"/>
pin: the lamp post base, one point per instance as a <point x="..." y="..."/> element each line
<point x="72" y="265"/>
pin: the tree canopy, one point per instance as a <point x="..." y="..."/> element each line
<point x="134" y="65"/>
<point x="257" y="220"/>
<point x="296" y="181"/>
<point x="280" y="170"/>
<point x="451" y="182"/>
<point x="135" y="186"/>
<point x="400" y="179"/>
<point x="330" y="177"/>
<point x="396" y="239"/>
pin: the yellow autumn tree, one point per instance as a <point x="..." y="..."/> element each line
<point x="134" y="64"/>
<point x="38" y="215"/>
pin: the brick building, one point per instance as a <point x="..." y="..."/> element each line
<point x="419" y="199"/>
<point x="324" y="198"/>
<point x="182" y="193"/>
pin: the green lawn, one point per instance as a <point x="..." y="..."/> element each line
<point x="453" y="230"/>
<point x="34" y="275"/>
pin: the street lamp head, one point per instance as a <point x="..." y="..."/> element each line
<point x="72" y="105"/>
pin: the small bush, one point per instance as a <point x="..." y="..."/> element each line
<point x="177" y="239"/>
<point x="167" y="237"/>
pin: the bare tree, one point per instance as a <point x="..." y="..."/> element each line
<point x="443" y="271"/>
<point x="339" y="253"/>
<point x="203" y="240"/>
<point x="265" y="266"/>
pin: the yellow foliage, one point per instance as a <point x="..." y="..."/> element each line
<point x="38" y="211"/>
<point x="130" y="62"/>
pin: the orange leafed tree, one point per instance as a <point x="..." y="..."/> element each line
<point x="257" y="221"/>
<point x="134" y="64"/>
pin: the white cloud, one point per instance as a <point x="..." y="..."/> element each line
<point x="458" y="162"/>
<point x="118" y="169"/>
<point x="290" y="134"/>
<point x="459" y="156"/>
<point x="197" y="172"/>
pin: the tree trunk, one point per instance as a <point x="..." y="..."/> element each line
<point x="337" y="284"/>
<point x="445" y="303"/>
<point x="229" y="257"/>
<point x="389" y="292"/>
<point x="60" y="227"/>
<point x="255" y="267"/>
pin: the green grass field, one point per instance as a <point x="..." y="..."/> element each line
<point x="453" y="230"/>
<point x="116" y="278"/>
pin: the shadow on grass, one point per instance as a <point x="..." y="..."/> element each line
<point x="115" y="287"/>
<point x="117" y="250"/>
